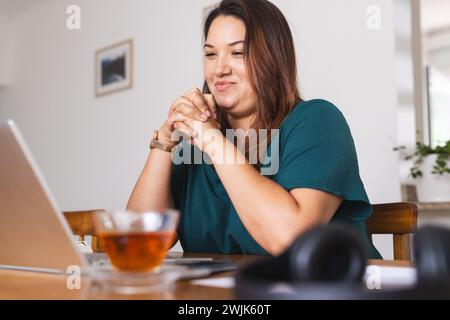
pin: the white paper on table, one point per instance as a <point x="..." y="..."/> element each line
<point x="226" y="282"/>
<point x="383" y="277"/>
<point x="376" y="277"/>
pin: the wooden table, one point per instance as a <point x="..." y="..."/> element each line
<point x="32" y="285"/>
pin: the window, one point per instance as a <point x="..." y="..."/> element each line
<point x="438" y="106"/>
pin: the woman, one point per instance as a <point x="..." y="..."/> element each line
<point x="250" y="84"/>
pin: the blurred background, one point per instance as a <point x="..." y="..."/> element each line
<point x="384" y="63"/>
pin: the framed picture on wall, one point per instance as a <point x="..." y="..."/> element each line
<point x="114" y="68"/>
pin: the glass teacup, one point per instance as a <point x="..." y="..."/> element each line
<point x="136" y="241"/>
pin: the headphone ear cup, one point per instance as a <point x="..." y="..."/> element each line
<point x="327" y="254"/>
<point x="326" y="262"/>
<point x="432" y="255"/>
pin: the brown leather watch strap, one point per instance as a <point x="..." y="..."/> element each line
<point x="155" y="143"/>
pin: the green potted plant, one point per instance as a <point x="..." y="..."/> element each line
<point x="430" y="168"/>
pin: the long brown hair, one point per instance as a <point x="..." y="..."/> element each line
<point x="270" y="59"/>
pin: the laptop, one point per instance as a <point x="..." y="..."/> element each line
<point x="34" y="235"/>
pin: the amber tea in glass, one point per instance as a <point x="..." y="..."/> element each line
<point x="136" y="241"/>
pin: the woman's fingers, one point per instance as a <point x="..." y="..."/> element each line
<point x="197" y="98"/>
<point x="204" y="103"/>
<point x="182" y="117"/>
<point x="175" y="117"/>
<point x="184" y="129"/>
<point x="190" y="112"/>
<point x="209" y="98"/>
<point x="181" y="100"/>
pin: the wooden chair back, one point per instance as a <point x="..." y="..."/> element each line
<point x="398" y="219"/>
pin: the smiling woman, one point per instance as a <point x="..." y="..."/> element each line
<point x="266" y="74"/>
<point x="225" y="69"/>
<point x="228" y="205"/>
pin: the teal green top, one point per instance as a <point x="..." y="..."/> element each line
<point x="316" y="150"/>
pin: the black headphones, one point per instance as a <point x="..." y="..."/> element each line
<point x="329" y="262"/>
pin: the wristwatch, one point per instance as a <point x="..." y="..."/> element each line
<point x="158" y="144"/>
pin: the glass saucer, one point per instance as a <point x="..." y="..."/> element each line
<point x="158" y="280"/>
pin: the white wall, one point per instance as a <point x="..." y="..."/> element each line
<point x="92" y="149"/>
<point x="343" y="61"/>
<point x="340" y="59"/>
<point x="406" y="121"/>
<point x="6" y="51"/>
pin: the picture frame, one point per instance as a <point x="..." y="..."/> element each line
<point x="114" y="68"/>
